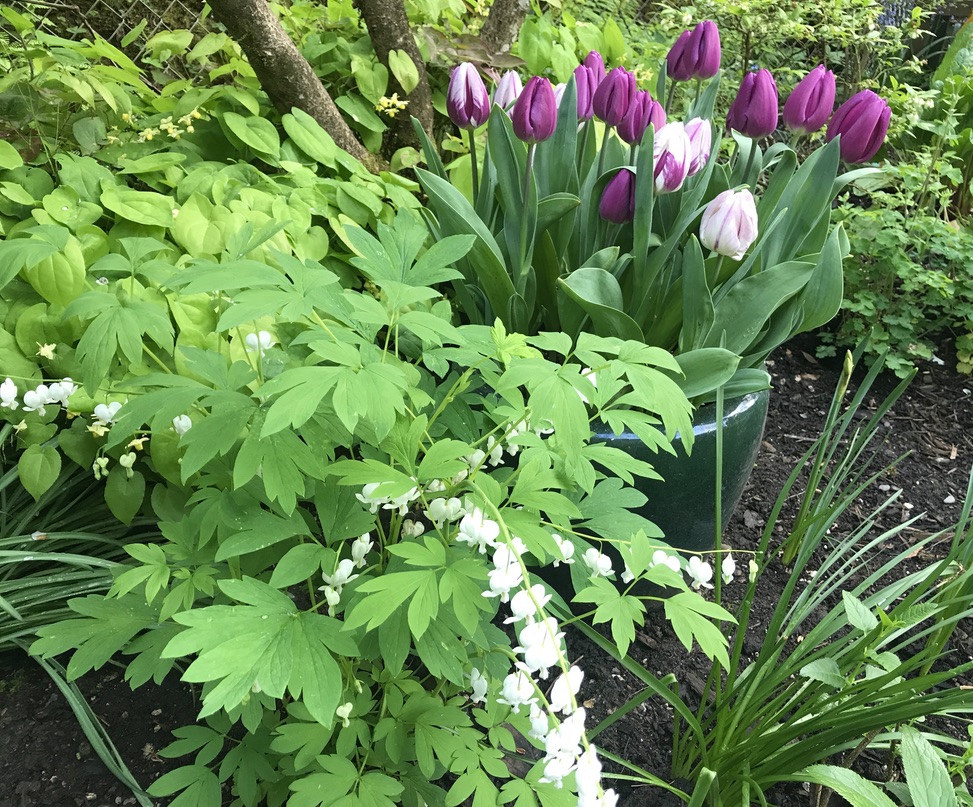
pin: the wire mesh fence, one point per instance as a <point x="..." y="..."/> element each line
<point x="128" y="24"/>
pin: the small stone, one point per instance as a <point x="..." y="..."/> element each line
<point x="951" y="499"/>
<point x="883" y="488"/>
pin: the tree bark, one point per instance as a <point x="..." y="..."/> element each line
<point x="283" y="72"/>
<point x="388" y="27"/>
<point x="503" y="23"/>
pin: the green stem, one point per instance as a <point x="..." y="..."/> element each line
<point x="473" y="166"/>
<point x="521" y="283"/>
<point x="601" y="155"/>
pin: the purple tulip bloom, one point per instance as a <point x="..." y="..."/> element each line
<point x="614" y="96"/>
<point x="508" y="89"/>
<point x="696" y="54"/>
<point x="729" y="224"/>
<point x="585" y="84"/>
<point x="673" y="156"/>
<point x="809" y="105"/>
<point x="596" y="64"/>
<point x="700" y="133"/>
<point x="534" y="115"/>
<point x="467" y="100"/>
<point x="639" y="118"/>
<point x="618" y="200"/>
<point x="754" y="110"/>
<point x="862" y="121"/>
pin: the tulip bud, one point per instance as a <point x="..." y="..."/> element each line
<point x="639" y="117"/>
<point x="810" y="103"/>
<point x="508" y="89"/>
<point x="614" y="96"/>
<point x="700" y="134"/>
<point x="534" y="115"/>
<point x="467" y="101"/>
<point x="862" y="121"/>
<point x="673" y="156"/>
<point x="559" y="94"/>
<point x="754" y="110"/>
<point x="596" y="65"/>
<point x="618" y="200"/>
<point x="729" y="224"/>
<point x="696" y="54"/>
<point x="585" y="83"/>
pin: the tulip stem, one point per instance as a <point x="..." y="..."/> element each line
<point x="519" y="283"/>
<point x="750" y="158"/>
<point x="473" y="167"/>
<point x="604" y="144"/>
<point x="672" y="93"/>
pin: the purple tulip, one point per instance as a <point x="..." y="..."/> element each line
<point x="467" y="100"/>
<point x="639" y="118"/>
<point x="729" y="224"/>
<point x="696" y="53"/>
<point x="508" y="89"/>
<point x="700" y="133"/>
<point x="754" y="111"/>
<point x="614" y="96"/>
<point x="678" y="66"/>
<point x="618" y="200"/>
<point x="585" y="83"/>
<point x="862" y="121"/>
<point x="673" y="156"/>
<point x="596" y="65"/>
<point x="809" y="105"/>
<point x="534" y="115"/>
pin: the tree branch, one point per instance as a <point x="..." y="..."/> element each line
<point x="388" y="27"/>
<point x="283" y="72"/>
<point x="503" y="23"/>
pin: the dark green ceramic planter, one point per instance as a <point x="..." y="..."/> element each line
<point x="683" y="504"/>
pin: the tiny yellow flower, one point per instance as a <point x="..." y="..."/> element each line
<point x="138" y="443"/>
<point x="20" y="426"/>
<point x="98" y="429"/>
<point x="46" y="351"/>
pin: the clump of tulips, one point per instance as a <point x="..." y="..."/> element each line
<point x="600" y="207"/>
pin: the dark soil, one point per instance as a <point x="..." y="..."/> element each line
<point x="45" y="759"/>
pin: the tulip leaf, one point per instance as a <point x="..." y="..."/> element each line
<point x="821" y="297"/>
<point x="429" y="152"/>
<point x="554" y="174"/>
<point x="704" y="370"/>
<point x="484" y="264"/>
<point x="697" y="301"/>
<point x="553" y="208"/>
<point x="741" y="314"/>
<point x="599" y="294"/>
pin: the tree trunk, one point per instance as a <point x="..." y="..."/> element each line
<point x="388" y="27"/>
<point x="283" y="72"/>
<point x="503" y="23"/>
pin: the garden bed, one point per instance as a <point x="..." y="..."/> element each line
<point x="44" y="758"/>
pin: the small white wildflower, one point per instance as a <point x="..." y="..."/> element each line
<point x="442" y="510"/>
<point x="106" y="412"/>
<point x="478" y="686"/>
<point x="522" y="603"/>
<point x="343" y="712"/>
<point x="127" y="461"/>
<point x="754" y="570"/>
<point x="566" y="548"/>
<point x="662" y="558"/>
<point x="368" y="497"/>
<point x="477" y="530"/>
<point x="518" y="690"/>
<point x="46" y="351"/>
<point x="539" y="722"/>
<point x="360" y="547"/>
<point x="342" y="574"/>
<point x="37" y="399"/>
<point x="261" y="341"/>
<point x="102" y="281"/>
<point x="540" y="645"/>
<point x="61" y="391"/>
<point x="401" y="503"/>
<point x="494" y="452"/>
<point x="436" y="486"/>
<point x="564" y="690"/>
<point x="600" y="564"/>
<point x="728" y="567"/>
<point x="100" y="467"/>
<point x="8" y="395"/>
<point x="181" y="424"/>
<point x="700" y="572"/>
<point x="412" y="529"/>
